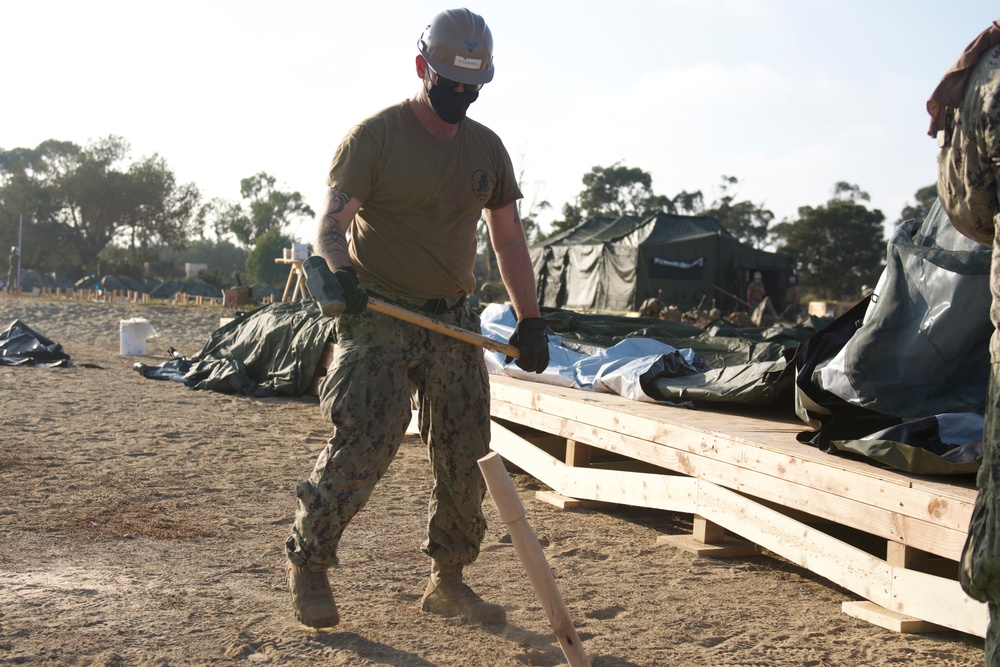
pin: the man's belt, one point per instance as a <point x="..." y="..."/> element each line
<point x="433" y="307"/>
<point x="437" y="307"/>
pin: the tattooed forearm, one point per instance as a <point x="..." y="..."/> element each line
<point x="332" y="242"/>
<point x="336" y="201"/>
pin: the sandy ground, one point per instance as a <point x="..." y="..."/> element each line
<point x="141" y="523"/>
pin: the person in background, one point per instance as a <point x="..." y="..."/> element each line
<point x="11" y="268"/>
<point x="653" y="306"/>
<point x="407" y="188"/>
<point x="488" y="293"/>
<point x="792" y="297"/>
<point x="756" y="291"/>
<point x="965" y="118"/>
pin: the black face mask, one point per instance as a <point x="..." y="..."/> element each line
<point x="451" y="105"/>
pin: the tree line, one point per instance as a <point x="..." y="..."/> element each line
<point x="837" y="247"/>
<point x="94" y="210"/>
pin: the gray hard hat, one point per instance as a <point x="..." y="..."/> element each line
<point x="458" y="45"/>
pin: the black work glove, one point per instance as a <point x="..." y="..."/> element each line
<point x="355" y="297"/>
<point x="529" y="337"/>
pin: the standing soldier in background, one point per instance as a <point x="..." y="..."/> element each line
<point x="407" y="188"/>
<point x="792" y="298"/>
<point x="756" y="291"/>
<point x="965" y="118"/>
<point x="11" y="271"/>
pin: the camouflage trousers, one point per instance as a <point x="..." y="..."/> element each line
<point x="378" y="360"/>
<point x="979" y="570"/>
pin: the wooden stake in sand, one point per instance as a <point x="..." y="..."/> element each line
<point x="529" y="551"/>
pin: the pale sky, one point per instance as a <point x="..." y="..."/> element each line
<point x="789" y="96"/>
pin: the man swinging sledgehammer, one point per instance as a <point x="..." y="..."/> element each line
<point x="410" y="184"/>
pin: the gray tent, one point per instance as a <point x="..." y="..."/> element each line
<point x="615" y="264"/>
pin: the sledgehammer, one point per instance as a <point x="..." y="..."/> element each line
<point x="323" y="286"/>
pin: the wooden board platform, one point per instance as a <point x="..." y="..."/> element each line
<point x="752" y="477"/>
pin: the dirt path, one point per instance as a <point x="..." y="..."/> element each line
<point x="141" y="523"/>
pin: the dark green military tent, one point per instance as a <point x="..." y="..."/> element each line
<point x="615" y="264"/>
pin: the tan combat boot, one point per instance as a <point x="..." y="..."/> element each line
<point x="312" y="599"/>
<point x="448" y="596"/>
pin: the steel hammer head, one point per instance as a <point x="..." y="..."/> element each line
<point x="323" y="286"/>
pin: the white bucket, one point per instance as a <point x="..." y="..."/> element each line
<point x="134" y="333"/>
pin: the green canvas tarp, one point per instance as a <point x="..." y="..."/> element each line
<point x="271" y="351"/>
<point x="616" y="264"/>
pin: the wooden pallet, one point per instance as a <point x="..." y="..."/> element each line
<point x="750" y="476"/>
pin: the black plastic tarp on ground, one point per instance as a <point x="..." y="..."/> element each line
<point x="20" y="345"/>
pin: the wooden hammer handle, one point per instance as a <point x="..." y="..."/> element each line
<point x="392" y="310"/>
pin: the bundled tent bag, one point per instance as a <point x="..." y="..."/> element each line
<point x="917" y="348"/>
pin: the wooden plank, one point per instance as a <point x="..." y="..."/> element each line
<point x="792" y="490"/>
<point x="902" y="555"/>
<point x="530" y="553"/>
<point x="848" y="566"/>
<point x="413" y="428"/>
<point x="924" y="596"/>
<point x="884" y="618"/>
<point x="567" y="503"/>
<point x="707" y="532"/>
<point x="729" y="547"/>
<point x="709" y="539"/>
<point x="577" y="454"/>
<point x="559" y="500"/>
<point x="937" y="600"/>
<point x="684" y="430"/>
<point x="626" y="488"/>
<point x="657" y="424"/>
<point x="701" y="431"/>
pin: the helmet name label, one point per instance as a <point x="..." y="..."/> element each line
<point x="468" y="63"/>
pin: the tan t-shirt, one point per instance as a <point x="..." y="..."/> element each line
<point x="421" y="200"/>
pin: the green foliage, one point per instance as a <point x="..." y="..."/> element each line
<point x="617" y="190"/>
<point x="224" y="260"/>
<point x="486" y="259"/>
<point x="612" y="192"/>
<point x="261" y="267"/>
<point x="219" y="278"/>
<point x="76" y="202"/>
<point x="688" y="203"/>
<point x="745" y="220"/>
<point x="264" y="209"/>
<point x="572" y="216"/>
<point x="223" y="256"/>
<point x="837" y="247"/>
<point x="925" y="197"/>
